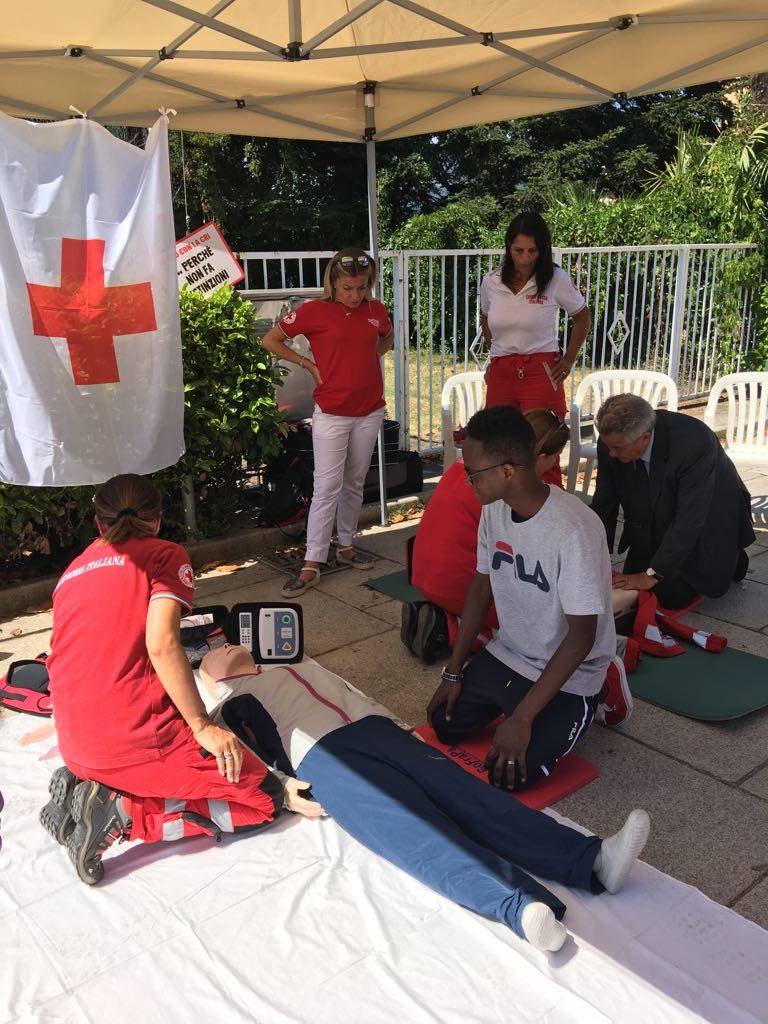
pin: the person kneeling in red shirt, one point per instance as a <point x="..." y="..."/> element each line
<point x="142" y="759"/>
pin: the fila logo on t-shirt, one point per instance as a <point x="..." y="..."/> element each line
<point x="504" y="554"/>
<point x="186" y="575"/>
<point x="373" y="321"/>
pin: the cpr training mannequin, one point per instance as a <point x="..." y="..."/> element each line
<point x="408" y="802"/>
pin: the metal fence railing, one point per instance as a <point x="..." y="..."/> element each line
<point x="653" y="307"/>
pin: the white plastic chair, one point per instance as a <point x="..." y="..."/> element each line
<point x="656" y="388"/>
<point x="747" y="430"/>
<point x="463" y="395"/>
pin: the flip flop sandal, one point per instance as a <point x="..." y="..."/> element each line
<point x="361" y="559"/>
<point x="296" y="586"/>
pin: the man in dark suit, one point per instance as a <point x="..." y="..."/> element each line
<point x="687" y="517"/>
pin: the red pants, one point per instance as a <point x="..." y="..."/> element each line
<point x="522" y="381"/>
<point x="161" y="795"/>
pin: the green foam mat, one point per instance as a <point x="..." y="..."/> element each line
<point x="396" y="585"/>
<point x="703" y="685"/>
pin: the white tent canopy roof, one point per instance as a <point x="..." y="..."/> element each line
<point x="298" y="68"/>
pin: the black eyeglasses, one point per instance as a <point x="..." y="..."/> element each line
<point x="352" y="263"/>
<point x="471" y="476"/>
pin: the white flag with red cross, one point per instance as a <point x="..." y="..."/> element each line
<point x="90" y="346"/>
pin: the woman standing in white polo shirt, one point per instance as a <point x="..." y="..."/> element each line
<point x="520" y="305"/>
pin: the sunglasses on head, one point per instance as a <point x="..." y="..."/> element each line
<point x="351" y="263"/>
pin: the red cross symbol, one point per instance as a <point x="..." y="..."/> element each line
<point x="89" y="315"/>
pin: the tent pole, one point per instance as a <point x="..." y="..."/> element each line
<point x="369" y="96"/>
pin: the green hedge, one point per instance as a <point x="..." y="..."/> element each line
<point x="231" y="424"/>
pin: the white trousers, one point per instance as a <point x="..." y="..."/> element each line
<point x="343" y="446"/>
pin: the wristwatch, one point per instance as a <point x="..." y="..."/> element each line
<point x="652" y="573"/>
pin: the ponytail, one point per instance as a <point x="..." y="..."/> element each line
<point x="127" y="506"/>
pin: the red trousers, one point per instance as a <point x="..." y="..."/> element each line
<point x="522" y="381"/>
<point x="163" y="797"/>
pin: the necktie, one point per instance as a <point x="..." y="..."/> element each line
<point x="641" y="497"/>
<point x="641" y="511"/>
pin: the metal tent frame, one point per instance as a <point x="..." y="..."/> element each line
<point x="294" y="50"/>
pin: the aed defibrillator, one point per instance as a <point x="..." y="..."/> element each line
<point x="273" y="633"/>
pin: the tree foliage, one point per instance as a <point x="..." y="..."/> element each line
<point x="279" y="194"/>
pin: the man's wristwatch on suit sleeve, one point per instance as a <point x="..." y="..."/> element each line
<point x="652" y="573"/>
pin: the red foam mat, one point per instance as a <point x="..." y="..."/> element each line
<point x="570" y="774"/>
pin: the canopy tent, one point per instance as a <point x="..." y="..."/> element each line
<point x="362" y="71"/>
<point x="298" y="70"/>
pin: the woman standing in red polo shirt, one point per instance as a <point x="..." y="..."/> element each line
<point x="142" y="758"/>
<point x="519" y="306"/>
<point x="348" y="331"/>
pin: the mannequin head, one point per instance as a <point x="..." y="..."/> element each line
<point x="224" y="663"/>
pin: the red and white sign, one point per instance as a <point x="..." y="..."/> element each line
<point x="204" y="261"/>
<point x="90" y="345"/>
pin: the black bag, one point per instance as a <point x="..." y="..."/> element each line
<point x="283" y="495"/>
<point x="286" y="489"/>
<point x="25" y="687"/>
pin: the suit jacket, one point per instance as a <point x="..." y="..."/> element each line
<point x="699" y="517"/>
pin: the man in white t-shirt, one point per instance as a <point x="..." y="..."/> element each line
<point x="542" y="558"/>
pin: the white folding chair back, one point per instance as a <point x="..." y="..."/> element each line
<point x="463" y="395"/>
<point x="747" y="429"/>
<point x="656" y="388"/>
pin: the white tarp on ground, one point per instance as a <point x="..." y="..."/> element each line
<point x="303" y="924"/>
<point x="90" y="344"/>
<point x="295" y="68"/>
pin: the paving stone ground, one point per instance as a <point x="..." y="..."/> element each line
<point x="705" y="786"/>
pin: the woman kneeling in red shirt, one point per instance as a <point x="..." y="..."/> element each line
<point x="142" y="758"/>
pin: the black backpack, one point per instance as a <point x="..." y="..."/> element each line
<point x="286" y="488"/>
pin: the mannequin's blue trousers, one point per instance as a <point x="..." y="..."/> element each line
<point x="463" y="838"/>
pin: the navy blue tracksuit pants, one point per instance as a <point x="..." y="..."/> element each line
<point x="413" y="806"/>
<point x="489" y="689"/>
